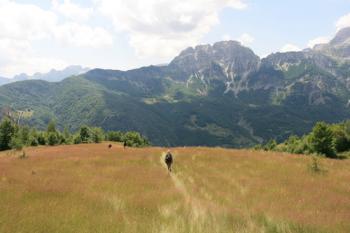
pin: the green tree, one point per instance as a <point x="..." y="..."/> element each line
<point x="51" y="127"/>
<point x="67" y="136"/>
<point x="97" y="135"/>
<point x="33" y="138"/>
<point x="24" y="134"/>
<point x="341" y="140"/>
<point x="7" y="131"/>
<point x="52" y="139"/>
<point x="322" y="140"/>
<point x="84" y="134"/>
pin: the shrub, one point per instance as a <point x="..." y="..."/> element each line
<point x="114" y="136"/>
<point x="77" y="139"/>
<point x="16" y="143"/>
<point x="315" y="166"/>
<point x="52" y="138"/>
<point x="33" y="141"/>
<point x="97" y="135"/>
<point x="134" y="139"/>
<point x="67" y="136"/>
<point x="23" y="155"/>
<point x="41" y="138"/>
<point x="270" y="145"/>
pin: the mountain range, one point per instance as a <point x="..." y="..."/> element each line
<point x="51" y="76"/>
<point x="214" y="95"/>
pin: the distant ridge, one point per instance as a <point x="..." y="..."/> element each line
<point x="51" y="76"/>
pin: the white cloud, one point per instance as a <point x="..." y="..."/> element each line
<point x="17" y="56"/>
<point x="162" y="28"/>
<point x="24" y="21"/>
<point x="290" y="48"/>
<point x="23" y="24"/>
<point x="246" y="39"/>
<point x="343" y="22"/>
<point x="318" y="40"/>
<point x="82" y="36"/>
<point x="71" y="10"/>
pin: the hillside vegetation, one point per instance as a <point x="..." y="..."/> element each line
<point x="93" y="188"/>
<point x="15" y="136"/>
<point x="330" y="140"/>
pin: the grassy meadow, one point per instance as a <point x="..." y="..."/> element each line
<point x="90" y="188"/>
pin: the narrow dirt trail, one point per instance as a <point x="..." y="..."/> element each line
<point x="196" y="207"/>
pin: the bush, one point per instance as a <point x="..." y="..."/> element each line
<point x="41" y="139"/>
<point x="315" y="166"/>
<point x="270" y="145"/>
<point x="16" y="143"/>
<point x="33" y="141"/>
<point x="77" y="139"/>
<point x="134" y="139"/>
<point x="67" y="137"/>
<point x="97" y="135"/>
<point x="114" y="136"/>
<point x="52" y="139"/>
<point x="23" y="155"/>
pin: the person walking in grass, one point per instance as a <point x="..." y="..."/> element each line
<point x="124" y="144"/>
<point x="169" y="160"/>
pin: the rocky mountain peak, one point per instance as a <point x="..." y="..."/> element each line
<point x="338" y="47"/>
<point x="342" y="38"/>
<point x="225" y="53"/>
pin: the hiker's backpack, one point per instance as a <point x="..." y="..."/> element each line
<point x="168" y="158"/>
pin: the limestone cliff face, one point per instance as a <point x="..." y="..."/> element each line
<point x="227" y="61"/>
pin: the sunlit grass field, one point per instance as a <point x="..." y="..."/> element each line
<point x="91" y="188"/>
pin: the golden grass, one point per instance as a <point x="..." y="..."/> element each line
<point x="90" y="188"/>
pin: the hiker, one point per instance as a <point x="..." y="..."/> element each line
<point x="125" y="144"/>
<point x="169" y="160"/>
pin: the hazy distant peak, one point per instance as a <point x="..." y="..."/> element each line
<point x="341" y="38"/>
<point x="51" y="76"/>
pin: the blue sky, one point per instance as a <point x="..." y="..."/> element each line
<point x="36" y="36"/>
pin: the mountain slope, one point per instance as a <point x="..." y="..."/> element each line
<point x="221" y="94"/>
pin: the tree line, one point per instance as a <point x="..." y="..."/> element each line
<point x="325" y="139"/>
<point x="14" y="136"/>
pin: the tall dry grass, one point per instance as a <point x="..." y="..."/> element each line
<point x="90" y="188"/>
